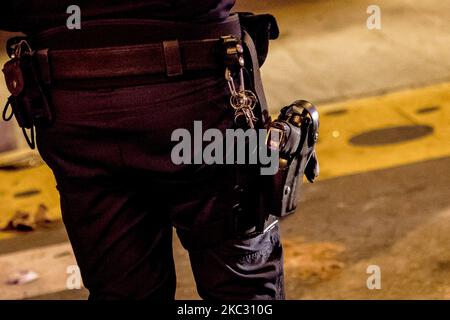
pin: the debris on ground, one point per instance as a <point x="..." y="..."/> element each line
<point x="312" y="262"/>
<point x="22" y="277"/>
<point x="17" y="160"/>
<point x="27" y="193"/>
<point x="41" y="217"/>
<point x="21" y="221"/>
<point x="63" y="254"/>
<point x="24" y="221"/>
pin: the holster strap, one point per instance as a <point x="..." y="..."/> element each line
<point x="256" y="77"/>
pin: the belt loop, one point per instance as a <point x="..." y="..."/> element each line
<point x="172" y="56"/>
<point x="44" y="65"/>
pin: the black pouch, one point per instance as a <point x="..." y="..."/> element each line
<point x="262" y="28"/>
<point x="28" y="102"/>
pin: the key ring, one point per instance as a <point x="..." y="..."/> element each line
<point x="244" y="99"/>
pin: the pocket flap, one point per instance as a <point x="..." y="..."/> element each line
<point x="14" y="77"/>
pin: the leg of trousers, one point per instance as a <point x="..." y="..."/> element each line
<point x="110" y="152"/>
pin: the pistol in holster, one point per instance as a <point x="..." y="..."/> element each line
<point x="28" y="102"/>
<point x="296" y="131"/>
<point x="296" y="128"/>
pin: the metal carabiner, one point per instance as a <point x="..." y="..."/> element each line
<point x="232" y="85"/>
<point x="230" y="82"/>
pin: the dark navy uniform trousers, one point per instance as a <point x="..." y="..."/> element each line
<point x="121" y="195"/>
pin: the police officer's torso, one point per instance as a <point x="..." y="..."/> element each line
<point x="35" y="15"/>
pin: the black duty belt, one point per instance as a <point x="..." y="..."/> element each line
<point x="171" y="57"/>
<point x="149" y="47"/>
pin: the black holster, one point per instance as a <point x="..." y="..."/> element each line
<point x="283" y="188"/>
<point x="262" y="28"/>
<point x="280" y="192"/>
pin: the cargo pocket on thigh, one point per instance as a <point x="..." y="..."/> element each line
<point x="241" y="269"/>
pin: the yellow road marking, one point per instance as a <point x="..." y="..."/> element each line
<point x="13" y="182"/>
<point x="338" y="157"/>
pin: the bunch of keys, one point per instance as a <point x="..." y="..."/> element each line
<point x="242" y="101"/>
